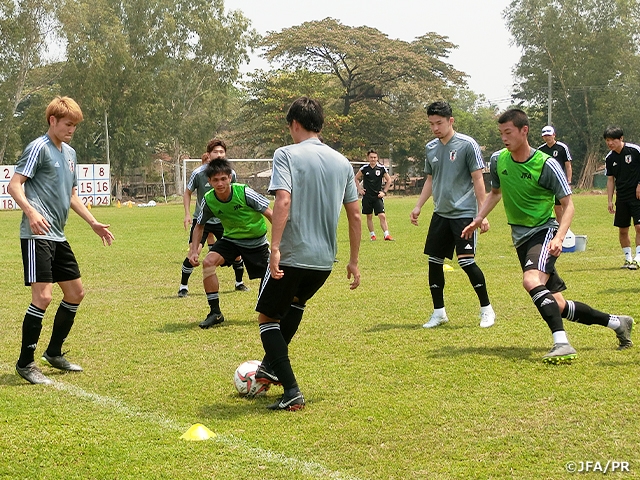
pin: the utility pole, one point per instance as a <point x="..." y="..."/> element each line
<point x="549" y="100"/>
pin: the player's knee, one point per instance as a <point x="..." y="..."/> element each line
<point x="42" y="300"/>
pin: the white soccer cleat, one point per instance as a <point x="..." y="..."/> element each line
<point x="435" y="320"/>
<point x="487" y="318"/>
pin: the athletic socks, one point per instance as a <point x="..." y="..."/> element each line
<point x="187" y="270"/>
<point x="436" y="281"/>
<point x="583" y="313"/>
<point x="289" y="325"/>
<point x="214" y="301"/>
<point x="31" y="327"/>
<point x="476" y="277"/>
<point x="277" y="352"/>
<point x="548" y="308"/>
<point x="62" y="324"/>
<point x="560" y="337"/>
<point x="627" y="253"/>
<point x="238" y="268"/>
<point x="637" y="259"/>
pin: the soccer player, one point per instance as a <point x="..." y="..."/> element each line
<point x="241" y="211"/>
<point x="372" y="176"/>
<point x="561" y="154"/>
<point x="310" y="181"/>
<point x="454" y="167"/>
<point x="622" y="166"/>
<point x="47" y="172"/>
<point x="528" y="181"/>
<point x="199" y="183"/>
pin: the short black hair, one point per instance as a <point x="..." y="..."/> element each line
<point x="518" y="117"/>
<point x="371" y="151"/>
<point x="216" y="142"/>
<point x="613" y="132"/>
<point x="308" y="113"/>
<point x="442" y="109"/>
<point x="217" y="166"/>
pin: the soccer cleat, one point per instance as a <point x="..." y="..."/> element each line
<point x="633" y="265"/>
<point x="487" y="319"/>
<point x="436" y="320"/>
<point x="389" y="238"/>
<point x="242" y="288"/>
<point x="214" y="318"/>
<point x="623" y="332"/>
<point x="373" y="238"/>
<point x="266" y="376"/>
<point x="183" y="292"/>
<point x="560" y="353"/>
<point x="33" y="374"/>
<point x="61" y="363"/>
<point x="293" y="403"/>
<point x="627" y="264"/>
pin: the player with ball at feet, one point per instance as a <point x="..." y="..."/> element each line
<point x="527" y="180"/>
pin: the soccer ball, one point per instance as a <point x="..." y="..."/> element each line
<point x="245" y="380"/>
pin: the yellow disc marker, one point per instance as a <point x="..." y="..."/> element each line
<point x="447" y="268"/>
<point x="198" y="432"/>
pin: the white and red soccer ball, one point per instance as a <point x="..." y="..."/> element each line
<point x="245" y="380"/>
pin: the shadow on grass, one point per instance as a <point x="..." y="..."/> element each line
<point x="178" y="327"/>
<point x="247" y="406"/>
<point x="12" y="379"/>
<point x="383" y="327"/>
<point x="527" y="354"/>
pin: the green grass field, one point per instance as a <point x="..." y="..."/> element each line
<point x="386" y="399"/>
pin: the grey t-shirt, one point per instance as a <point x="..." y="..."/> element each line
<point x="320" y="180"/>
<point x="199" y="183"/>
<point x="450" y="166"/>
<point x="51" y="178"/>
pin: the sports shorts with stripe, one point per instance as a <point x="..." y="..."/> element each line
<point x="46" y="261"/>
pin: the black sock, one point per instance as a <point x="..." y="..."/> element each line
<point x="187" y="270"/>
<point x="583" y="313"/>
<point x="31" y="327"/>
<point x="62" y="324"/>
<point x="476" y="277"/>
<point x="436" y="281"/>
<point x="548" y="307"/>
<point x="238" y="268"/>
<point x="214" y="301"/>
<point x="277" y="351"/>
<point x="288" y="326"/>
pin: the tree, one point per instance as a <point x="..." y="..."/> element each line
<point x="27" y="28"/>
<point x="590" y="47"/>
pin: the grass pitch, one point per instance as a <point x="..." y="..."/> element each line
<point x="386" y="399"/>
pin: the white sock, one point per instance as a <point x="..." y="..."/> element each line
<point x="184" y="287"/>
<point x="627" y="253"/>
<point x="239" y="283"/>
<point x="439" y="312"/>
<point x="560" y="337"/>
<point x="487" y="309"/>
<point x="372" y="234"/>
<point x="614" y="322"/>
<point x="386" y="233"/>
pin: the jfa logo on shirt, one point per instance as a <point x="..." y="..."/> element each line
<point x="377" y="173"/>
<point x="452" y="155"/>
<point x="555" y="153"/>
<point x="71" y="165"/>
<point x="627" y="158"/>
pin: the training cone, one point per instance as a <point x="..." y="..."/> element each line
<point x="119" y="205"/>
<point x="198" y="432"/>
<point x="89" y="205"/>
<point x="130" y="204"/>
<point x="447" y="268"/>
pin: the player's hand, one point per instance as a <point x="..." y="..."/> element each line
<point x="555" y="246"/>
<point x="484" y="226"/>
<point x="353" y="270"/>
<point x="413" y="216"/>
<point x="467" y="233"/>
<point x="187" y="222"/>
<point x="103" y="232"/>
<point x="194" y="258"/>
<point x="611" y="208"/>
<point x="638" y="192"/>
<point x="274" y="265"/>
<point x="38" y="224"/>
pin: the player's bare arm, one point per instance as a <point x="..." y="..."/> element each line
<point x="101" y="229"/>
<point x="490" y="201"/>
<point x="355" y="232"/>
<point x="610" y="190"/>
<point x="186" y="201"/>
<point x="39" y="225"/>
<point x="387" y="184"/>
<point x="358" y="183"/>
<point x="279" y="217"/>
<point x="427" y="190"/>
<point x="194" y="245"/>
<point x="480" y="192"/>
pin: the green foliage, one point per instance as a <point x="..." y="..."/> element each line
<point x="386" y="399"/>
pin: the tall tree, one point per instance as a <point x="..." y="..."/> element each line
<point x="590" y="47"/>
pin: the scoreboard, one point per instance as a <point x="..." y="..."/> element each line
<point x="94" y="185"/>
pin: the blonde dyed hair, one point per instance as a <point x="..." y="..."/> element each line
<point x="64" y="107"/>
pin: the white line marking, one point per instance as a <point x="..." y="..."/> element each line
<point x="293" y="464"/>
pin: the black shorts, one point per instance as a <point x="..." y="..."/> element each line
<point x="445" y="234"/>
<point x="216" y="228"/>
<point x="625" y="211"/>
<point x="276" y="296"/>
<point x="256" y="260"/>
<point x="534" y="255"/>
<point x="46" y="261"/>
<point x="372" y="205"/>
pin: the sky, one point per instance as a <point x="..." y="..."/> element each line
<point x="484" y="52"/>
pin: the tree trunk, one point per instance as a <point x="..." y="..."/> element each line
<point x="590" y="166"/>
<point x="177" y="167"/>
